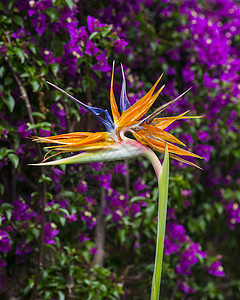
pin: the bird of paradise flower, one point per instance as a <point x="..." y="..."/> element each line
<point x="149" y="132"/>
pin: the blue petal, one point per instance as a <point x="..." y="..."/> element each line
<point x="124" y="103"/>
<point x="107" y="121"/>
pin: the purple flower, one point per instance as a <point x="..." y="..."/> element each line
<point x="91" y="49"/>
<point x="90" y="201"/>
<point x="19" y="33"/>
<point x="137" y="245"/>
<point x="204" y="151"/>
<point x="233" y="214"/>
<point x="210" y="82"/>
<point x="170" y="246"/>
<point x="88" y="218"/>
<point x="50" y="232"/>
<point x="71" y="218"/>
<point x="216" y="269"/>
<point x="59" y="112"/>
<point x="2" y="263"/>
<point x="189" y="258"/>
<point x="48" y="57"/>
<point x="68" y="21"/>
<point x="82" y="186"/>
<point x="23" y="249"/>
<point x="134" y="209"/>
<point x="39" y="23"/>
<point x="139" y="185"/>
<point x="101" y="64"/>
<point x="187" y="138"/>
<point x="83" y="238"/>
<point x="94" y="251"/>
<point x="119" y="45"/>
<point x="121" y="169"/>
<point x="117" y="215"/>
<point x="38" y="6"/>
<point x="203" y="136"/>
<point x="23" y="130"/>
<point x="93" y="24"/>
<point x="43" y="132"/>
<point x="183" y="268"/>
<point x="178" y="232"/>
<point x="82" y="34"/>
<point x="186" y="193"/>
<point x="22" y="211"/>
<point x="188" y="74"/>
<point x="4" y="241"/>
<point x="105" y="181"/>
<point x="183" y="286"/>
<point x="96" y="166"/>
<point x="55" y="174"/>
<point x="63" y="203"/>
<point x="171" y="213"/>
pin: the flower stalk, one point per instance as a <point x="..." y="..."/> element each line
<point x="163" y="179"/>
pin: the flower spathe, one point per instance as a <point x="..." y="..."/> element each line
<point x="149" y="131"/>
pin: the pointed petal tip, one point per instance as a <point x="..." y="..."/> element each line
<point x="122" y="71"/>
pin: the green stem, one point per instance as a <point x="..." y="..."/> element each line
<point x="162" y="173"/>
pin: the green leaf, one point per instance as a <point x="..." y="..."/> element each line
<point x="44" y="178"/>
<point x="54" y="68"/>
<point x="2" y="7"/>
<point x="1" y="189"/>
<point x="32" y="47"/>
<point x="35" y="232"/>
<point x="8" y="80"/>
<point x="69" y="4"/>
<point x="52" y="13"/>
<point x="48" y="209"/>
<point x="62" y="220"/>
<point x="43" y="125"/>
<point x="122" y="235"/>
<point x="20" y="53"/>
<point x="64" y="211"/>
<point x="8" y="213"/>
<point x="14" y="159"/>
<point x="93" y="35"/>
<point x="4" y="152"/>
<point x="10" y="102"/>
<point x="2" y="70"/>
<point x="61" y="296"/>
<point x="10" y="4"/>
<point x="39" y="115"/>
<point x="24" y="75"/>
<point x="18" y="20"/>
<point x="35" y="85"/>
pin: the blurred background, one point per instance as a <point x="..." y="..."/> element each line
<point x="89" y="231"/>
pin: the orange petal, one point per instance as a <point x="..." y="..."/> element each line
<point x="138" y="109"/>
<point x="76" y="138"/>
<point x="184" y="161"/>
<point x="63" y="138"/>
<point x="114" y="108"/>
<point x="163" y="123"/>
<point x="89" y="147"/>
<point x="159" y="145"/>
<point x="161" y="134"/>
<point x="155" y="144"/>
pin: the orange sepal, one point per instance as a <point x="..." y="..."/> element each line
<point x="114" y="108"/>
